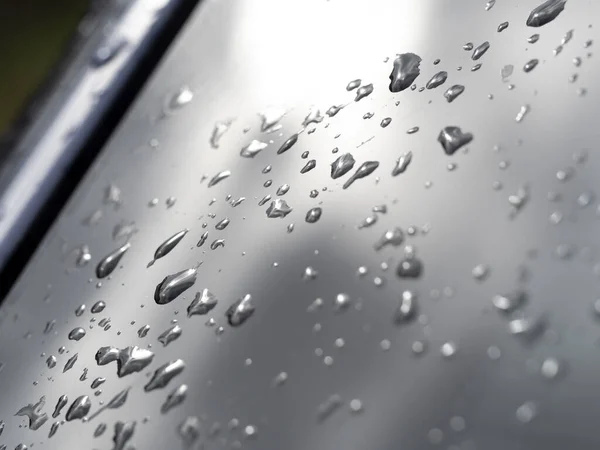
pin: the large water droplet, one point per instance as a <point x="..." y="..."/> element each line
<point x="278" y="209"/>
<point x="174" y="285"/>
<point x="60" y="404"/>
<point x="98" y="307"/>
<point x="530" y="65"/>
<point x="342" y="165"/>
<point x="453" y="91"/>
<point x="310" y="165"/>
<point x="253" y="149"/>
<point x="546" y="12"/>
<point x="452" y="138"/>
<point x="170" y="335"/>
<point x="313" y="215"/>
<point x="129" y="360"/>
<point x="109" y="263"/>
<point x="410" y="267"/>
<point x="363" y="91"/>
<point x="168" y="245"/>
<point x="353" y="84"/>
<point x="480" y="50"/>
<point x="76" y="334"/>
<point x="219" y="177"/>
<point x="289" y="143"/>
<point x="202" y="304"/>
<point x="436" y="80"/>
<point x="406" y="70"/>
<point x="365" y="169"/>
<point x="53" y="429"/>
<point x="218" y="131"/>
<point x="34" y="413"/>
<point x="240" y="311"/>
<point x="123" y="433"/>
<point x="79" y="408"/>
<point x="175" y="398"/>
<point x="164" y="374"/>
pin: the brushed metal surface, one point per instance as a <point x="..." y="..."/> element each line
<point x="240" y="57"/>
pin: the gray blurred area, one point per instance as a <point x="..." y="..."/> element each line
<point x="240" y="57"/>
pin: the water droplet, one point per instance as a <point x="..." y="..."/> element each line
<point x="109" y="263"/>
<point x="219" y="177"/>
<point x="71" y="362"/>
<point x="437" y="80"/>
<point x="164" y="374"/>
<point x="278" y="209"/>
<point x="407" y="307"/>
<point x="264" y="200"/>
<point x="363" y="91"/>
<point x="34" y="413"/>
<point x="79" y="408"/>
<point x="490" y="4"/>
<point x="175" y="398"/>
<point x="98" y="382"/>
<point x="546" y="12"/>
<point x="76" y="334"/>
<point x="84" y="256"/>
<point x="289" y="143"/>
<point x="550" y="368"/>
<point x="314" y="116"/>
<point x="283" y="189"/>
<point x="181" y="98"/>
<point x="79" y="310"/>
<point x="218" y="131"/>
<point x="253" y="149"/>
<point x="129" y="360"/>
<point x="168" y="245"/>
<point x="503" y="26"/>
<point x="527" y="411"/>
<point x="452" y="138"/>
<point x="53" y="429"/>
<point x="123" y="433"/>
<point x="174" y="285"/>
<point x="240" y="311"/>
<point x="189" y="431"/>
<point x="342" y="165"/>
<point x="448" y="349"/>
<point x="341" y="302"/>
<point x="406" y="70"/>
<point x="98" y="307"/>
<point x="112" y="195"/>
<point x="527" y="328"/>
<point x="170" y="335"/>
<point x="270" y="119"/>
<point x="365" y="169"/>
<point x="328" y="407"/>
<point x="143" y="331"/>
<point x="480" y="272"/>
<point x="353" y="84"/>
<point x="202" y="239"/>
<point x="393" y="237"/>
<point x="523" y="111"/>
<point x="402" y="164"/>
<point x="49" y="326"/>
<point x="313" y="215"/>
<point x="310" y="165"/>
<point x="480" y="51"/>
<point x="468" y="46"/>
<point x="410" y="267"/>
<point x="509" y="302"/>
<point x="100" y="429"/>
<point x="453" y="91"/>
<point x="51" y="361"/>
<point x="530" y="65"/>
<point x="368" y="115"/>
<point x="333" y="110"/>
<point x="202" y="304"/>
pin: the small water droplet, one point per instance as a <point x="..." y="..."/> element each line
<point x="79" y="408"/>
<point x="353" y="84"/>
<point x="328" y="407"/>
<point x="448" y="349"/>
<point x="480" y="272"/>
<point x="175" y="398"/>
<point x="53" y="429"/>
<point x="437" y="80"/>
<point x="333" y="110"/>
<point x="364" y="170"/>
<point x="407" y="307"/>
<point x="527" y="411"/>
<point x="289" y="143"/>
<point x="98" y="307"/>
<point x="164" y="374"/>
<point x="202" y="304"/>
<point x="313" y="215"/>
<point x="550" y="368"/>
<point x="314" y="116"/>
<point x="453" y="92"/>
<point x="97" y="383"/>
<point x="189" y="431"/>
<point x="393" y="237"/>
<point x="452" y="138"/>
<point x="278" y="209"/>
<point x="71" y="362"/>
<point x="219" y="177"/>
<point x="342" y="165"/>
<point x="405" y="71"/>
<point x="363" y="91"/>
<point x="509" y="302"/>
<point x="51" y="361"/>
<point x="530" y="65"/>
<point x="143" y="331"/>
<point x="219" y="130"/>
<point x="240" y="311"/>
<point x="310" y="165"/>
<point x="170" y="335"/>
<point x="76" y="334"/>
<point x="468" y="46"/>
<point x="270" y="118"/>
<point x="109" y="263"/>
<point x="480" y="50"/>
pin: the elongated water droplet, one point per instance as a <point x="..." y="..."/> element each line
<point x="203" y="239"/>
<point x="509" y="302"/>
<point x="53" y="429"/>
<point x="527" y="328"/>
<point x="253" y="149"/>
<point x="453" y="91"/>
<point x="283" y="189"/>
<point x="313" y="215"/>
<point x="480" y="51"/>
<point x="278" y="209"/>
<point x="407" y="307"/>
<point x="168" y="245"/>
<point x="34" y="413"/>
<point x="219" y="177"/>
<point x="452" y="138"/>
<point x="98" y="382"/>
<point x="98" y="307"/>
<point x="368" y="221"/>
<point x="240" y="311"/>
<point x="437" y="80"/>
<point x="79" y="310"/>
<point x="533" y="38"/>
<point x="175" y="398"/>
<point x="84" y="256"/>
<point x="385" y="122"/>
<point x="405" y="72"/>
<point x="393" y="237"/>
<point x="109" y="263"/>
<point x="503" y="26"/>
<point x="490" y="4"/>
<point x="342" y="165"/>
<point x="270" y="118"/>
<point x="100" y="429"/>
<point x="546" y="12"/>
<point x="523" y="111"/>
<point x="174" y="285"/>
<point x="143" y="331"/>
<point x="468" y="46"/>
<point x="79" y="408"/>
<point x="116" y="402"/>
<point x="178" y="100"/>
<point x="51" y="361"/>
<point x="289" y="143"/>
<point x="363" y="91"/>
<point x="530" y="65"/>
<point x="310" y="165"/>
<point x="353" y="84"/>
<point x="365" y="169"/>
<point x="333" y="110"/>
<point x="328" y="407"/>
<point x="202" y="304"/>
<point x="76" y="334"/>
<point x="164" y="374"/>
<point x="222" y="224"/>
<point x="170" y="335"/>
<point x="123" y="433"/>
<point x="314" y="116"/>
<point x="70" y="362"/>
<point x="402" y="164"/>
<point x="129" y="360"/>
<point x="218" y="131"/>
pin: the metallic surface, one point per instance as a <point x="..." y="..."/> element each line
<point x="239" y="57"/>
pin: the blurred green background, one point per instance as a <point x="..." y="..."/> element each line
<point x="33" y="35"/>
